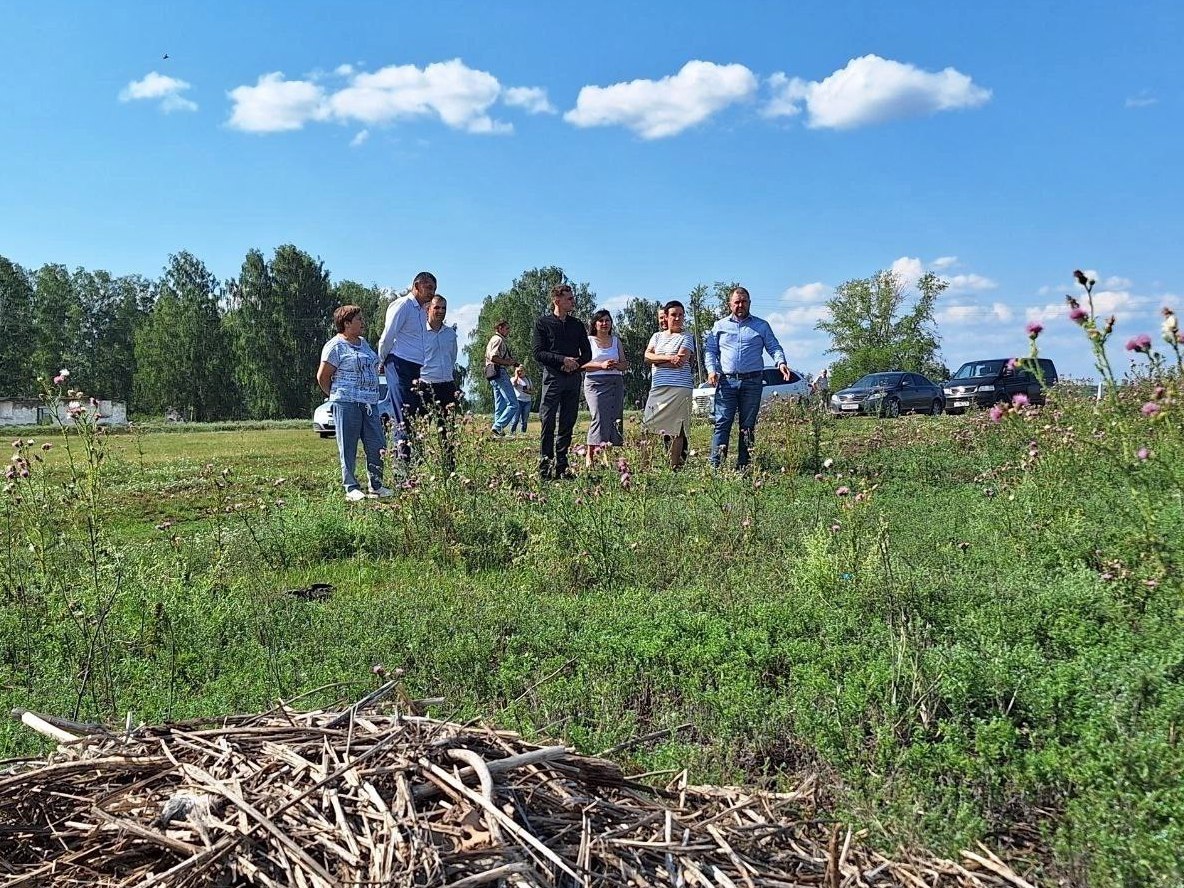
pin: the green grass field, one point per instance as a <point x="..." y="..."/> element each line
<point x="971" y="630"/>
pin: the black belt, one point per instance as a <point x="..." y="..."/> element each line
<point x="752" y="375"/>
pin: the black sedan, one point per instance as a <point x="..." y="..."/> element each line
<point x="889" y="394"/>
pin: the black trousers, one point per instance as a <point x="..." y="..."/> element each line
<point x="558" y="407"/>
<point x="440" y="400"/>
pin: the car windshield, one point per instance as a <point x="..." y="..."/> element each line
<point x="876" y="380"/>
<point x="979" y="369"/>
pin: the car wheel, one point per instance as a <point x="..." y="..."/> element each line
<point x="891" y="408"/>
<point x="937" y="408"/>
<point x="325" y="434"/>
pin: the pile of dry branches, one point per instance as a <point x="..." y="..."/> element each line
<point x="321" y="799"/>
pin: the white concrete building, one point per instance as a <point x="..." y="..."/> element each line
<point x="31" y="412"/>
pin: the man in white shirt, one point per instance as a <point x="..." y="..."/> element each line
<point x="439" y="376"/>
<point x="400" y="348"/>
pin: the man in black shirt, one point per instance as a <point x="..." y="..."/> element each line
<point x="561" y="348"/>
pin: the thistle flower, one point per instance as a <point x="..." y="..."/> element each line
<point x="1143" y="454"/>
<point x="1140" y="343"/>
<point x="1019" y="400"/>
<point x="842" y="491"/>
<point x="1034" y="329"/>
<point x="1078" y="315"/>
<point x="997" y="413"/>
<point x="1082" y="279"/>
<point x="1150" y="408"/>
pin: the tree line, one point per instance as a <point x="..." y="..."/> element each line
<point x="247" y="347"/>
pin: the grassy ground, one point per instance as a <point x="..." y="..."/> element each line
<point x="973" y="630"/>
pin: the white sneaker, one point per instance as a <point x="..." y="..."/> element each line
<point x="382" y="492"/>
<point x="355" y="495"/>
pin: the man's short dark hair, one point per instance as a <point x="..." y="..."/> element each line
<point x="673" y="303"/>
<point x="424" y="277"/>
<point x="501" y="323"/>
<point x="559" y="289"/>
<point x="741" y="290"/>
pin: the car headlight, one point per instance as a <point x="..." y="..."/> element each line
<point x="985" y="388"/>
<point x="834" y="399"/>
<point x="875" y="395"/>
<point x="948" y="391"/>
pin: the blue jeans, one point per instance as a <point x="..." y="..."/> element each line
<point x="401" y="379"/>
<point x="735" y="396"/>
<point x="505" y="401"/>
<point x="521" y="417"/>
<point x="354" y="422"/>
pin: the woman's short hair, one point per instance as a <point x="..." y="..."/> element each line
<point x="596" y="318"/>
<point x="673" y="303"/>
<point x="344" y="315"/>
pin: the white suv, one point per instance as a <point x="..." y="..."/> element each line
<point x="775" y="386"/>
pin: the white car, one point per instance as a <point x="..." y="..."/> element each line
<point x="775" y="386"/>
<point x="322" y="417"/>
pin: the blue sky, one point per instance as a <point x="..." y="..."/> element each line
<point x="643" y="147"/>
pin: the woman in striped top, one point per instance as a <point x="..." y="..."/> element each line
<point x="668" y="409"/>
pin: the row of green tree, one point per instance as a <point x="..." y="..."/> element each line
<point x="242" y="348"/>
<point x="247" y="347"/>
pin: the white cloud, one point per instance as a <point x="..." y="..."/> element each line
<point x="159" y="86"/>
<point x="972" y="313"/>
<point x="532" y="99"/>
<point x="964" y="283"/>
<point x="655" y="109"/>
<point x="1117" y="283"/>
<point x="872" y="90"/>
<point x="807" y="293"/>
<point x="1143" y="100"/>
<point x="788" y="94"/>
<point x="465" y="317"/>
<point x="459" y="96"/>
<point x="274" y="104"/>
<point x="943" y="262"/>
<point x="615" y="303"/>
<point x="908" y="270"/>
<point x="360" y="138"/>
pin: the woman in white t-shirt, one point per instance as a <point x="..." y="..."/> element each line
<point x="604" y="386"/>
<point x="524" y="392"/>
<point x="668" y="408"/>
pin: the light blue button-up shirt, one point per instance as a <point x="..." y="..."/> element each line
<point x="402" y="335"/>
<point x="439" y="348"/>
<point x="734" y="346"/>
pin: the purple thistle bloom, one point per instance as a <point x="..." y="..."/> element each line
<point x="1140" y="343"/>
<point x="842" y="491"/>
<point x="1020" y="400"/>
<point x="997" y="412"/>
<point x="1078" y="315"/>
<point x="1034" y="329"/>
<point x="1150" y="408"/>
<point x="1143" y="453"/>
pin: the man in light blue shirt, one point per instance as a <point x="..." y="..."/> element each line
<point x="734" y="353"/>
<point x="439" y="377"/>
<point x="400" y="348"/>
